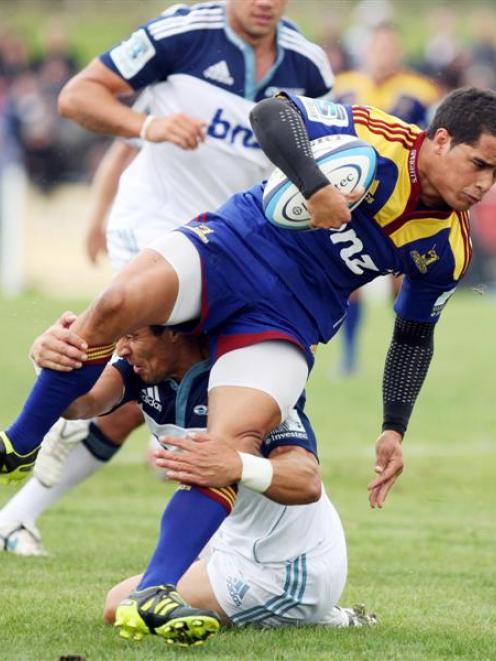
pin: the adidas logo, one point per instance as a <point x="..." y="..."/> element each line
<point x="151" y="396"/>
<point x="237" y="589"/>
<point x="220" y="73"/>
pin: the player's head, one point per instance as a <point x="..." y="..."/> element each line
<point x="383" y="52"/>
<point x="157" y="353"/>
<point x="255" y="19"/>
<point x="461" y="166"/>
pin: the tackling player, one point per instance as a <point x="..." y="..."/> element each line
<point x="304" y="546"/>
<point x="267" y="295"/>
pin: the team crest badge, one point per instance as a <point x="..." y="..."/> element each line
<point x="422" y="262"/>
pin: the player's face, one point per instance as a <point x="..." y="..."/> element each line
<point x="253" y="19"/>
<point x="463" y="174"/>
<point x="153" y="358"/>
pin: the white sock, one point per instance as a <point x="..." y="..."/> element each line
<point x="33" y="498"/>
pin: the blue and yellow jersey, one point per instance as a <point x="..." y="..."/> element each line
<point x="264" y="282"/>
<point x="405" y="94"/>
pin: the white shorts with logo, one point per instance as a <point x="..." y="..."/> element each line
<point x="303" y="591"/>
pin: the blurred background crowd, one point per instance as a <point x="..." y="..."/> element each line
<point x="400" y="56"/>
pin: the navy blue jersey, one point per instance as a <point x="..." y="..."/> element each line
<point x="171" y="408"/>
<point x="197" y="41"/>
<point x="263" y="282"/>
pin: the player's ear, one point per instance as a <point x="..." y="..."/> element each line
<point x="441" y="141"/>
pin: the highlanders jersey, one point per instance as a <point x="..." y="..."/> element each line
<point x="404" y="94"/>
<point x="264" y="282"/>
<point x="192" y="62"/>
<point x="258" y="528"/>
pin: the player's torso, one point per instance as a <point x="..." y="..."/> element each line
<point x="214" y="81"/>
<point x="171" y="408"/>
<point x="404" y="94"/>
<point x="391" y="232"/>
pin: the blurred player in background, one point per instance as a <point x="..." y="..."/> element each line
<point x="203" y="68"/>
<point x="385" y="82"/>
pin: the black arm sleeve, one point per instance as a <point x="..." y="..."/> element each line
<point x="407" y="362"/>
<point x="281" y="133"/>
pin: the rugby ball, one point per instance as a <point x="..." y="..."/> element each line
<point x="346" y="161"/>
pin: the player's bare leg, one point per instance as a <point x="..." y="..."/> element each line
<point x="143" y="293"/>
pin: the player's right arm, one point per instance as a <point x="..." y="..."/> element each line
<point x="279" y="126"/>
<point x="91" y="97"/>
<point x="290" y="475"/>
<point x="61" y="349"/>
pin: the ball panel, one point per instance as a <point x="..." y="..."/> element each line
<point x="347" y="162"/>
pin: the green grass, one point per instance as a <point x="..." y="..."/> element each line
<point x="425" y="562"/>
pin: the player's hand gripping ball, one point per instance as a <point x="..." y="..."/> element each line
<point x="348" y="162"/>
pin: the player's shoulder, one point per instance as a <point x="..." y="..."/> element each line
<point x="293" y="40"/>
<point x="181" y="18"/>
<point x="438" y="245"/>
<point x="351" y="78"/>
<point x="418" y="85"/>
<point x="382" y="129"/>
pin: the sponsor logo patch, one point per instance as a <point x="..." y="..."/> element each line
<point x="132" y="55"/>
<point x="200" y="409"/>
<point x="325" y="112"/>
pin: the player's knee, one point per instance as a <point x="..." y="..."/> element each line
<point x="110" y="303"/>
<point x="112" y="600"/>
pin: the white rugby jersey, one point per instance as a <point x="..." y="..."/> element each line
<point x="264" y="531"/>
<point x="257" y="528"/>
<point x="191" y="61"/>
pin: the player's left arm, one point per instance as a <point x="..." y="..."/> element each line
<point x="407" y="363"/>
<point x="290" y="475"/>
<point x="106" y="394"/>
<point x="432" y="280"/>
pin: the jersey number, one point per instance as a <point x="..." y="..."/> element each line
<point x="352" y="254"/>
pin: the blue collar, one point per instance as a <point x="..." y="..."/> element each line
<point x="251" y="86"/>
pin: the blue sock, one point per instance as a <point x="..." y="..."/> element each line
<point x="52" y="393"/>
<point x="190" y="519"/>
<point x="351" y="326"/>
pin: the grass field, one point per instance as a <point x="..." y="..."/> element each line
<point x="425" y="564"/>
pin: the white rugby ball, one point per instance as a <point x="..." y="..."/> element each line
<point x="346" y="161"/>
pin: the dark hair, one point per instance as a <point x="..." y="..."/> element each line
<point x="157" y="330"/>
<point x="466" y="113"/>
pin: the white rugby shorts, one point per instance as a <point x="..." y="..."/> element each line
<point x="303" y="591"/>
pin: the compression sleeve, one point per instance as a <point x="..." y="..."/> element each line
<point x="281" y="133"/>
<point x="407" y="362"/>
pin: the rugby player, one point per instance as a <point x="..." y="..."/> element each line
<point x="269" y="564"/>
<point x="385" y="82"/>
<point x="202" y="69"/>
<point x="266" y="295"/>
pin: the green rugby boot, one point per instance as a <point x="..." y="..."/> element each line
<point x="159" y="610"/>
<point x="14" y="467"/>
